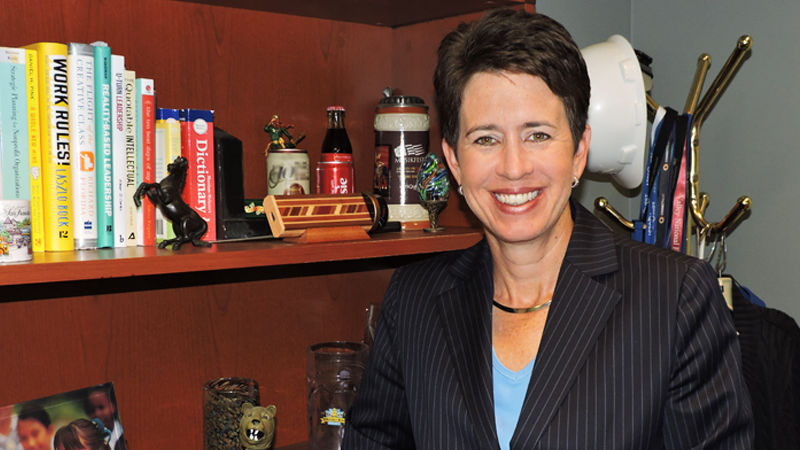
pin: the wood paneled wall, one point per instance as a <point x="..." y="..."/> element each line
<point x="159" y="342"/>
<point x="246" y="65"/>
<point x="157" y="339"/>
<point x="162" y="339"/>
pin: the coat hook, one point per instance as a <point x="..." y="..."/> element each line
<point x="723" y="78"/>
<point x="602" y="204"/>
<point x="651" y="103"/>
<point x="703" y="63"/>
<point x="698" y="201"/>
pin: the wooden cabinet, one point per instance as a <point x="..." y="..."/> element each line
<point x="159" y="323"/>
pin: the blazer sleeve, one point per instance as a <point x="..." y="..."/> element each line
<point x="380" y="418"/>
<point x="708" y="405"/>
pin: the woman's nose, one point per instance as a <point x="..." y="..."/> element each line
<point x="515" y="163"/>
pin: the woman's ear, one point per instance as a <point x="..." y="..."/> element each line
<point x="581" y="152"/>
<point x="452" y="161"/>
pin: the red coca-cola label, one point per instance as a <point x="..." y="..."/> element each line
<point x="337" y="157"/>
<point x="334" y="177"/>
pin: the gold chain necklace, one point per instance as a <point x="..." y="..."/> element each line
<point x="509" y="309"/>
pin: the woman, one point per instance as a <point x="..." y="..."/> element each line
<point x="552" y="332"/>
<point x="82" y="434"/>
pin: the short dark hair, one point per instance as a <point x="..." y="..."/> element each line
<point x="35" y="412"/>
<point x="514" y="41"/>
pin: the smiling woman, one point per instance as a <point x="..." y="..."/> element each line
<point x="516" y="159"/>
<point x="552" y="332"/>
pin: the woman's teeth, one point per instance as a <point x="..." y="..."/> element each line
<point x="516" y="199"/>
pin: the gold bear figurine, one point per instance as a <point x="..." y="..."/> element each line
<point x="257" y="426"/>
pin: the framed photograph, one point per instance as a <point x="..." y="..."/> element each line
<point x="84" y="418"/>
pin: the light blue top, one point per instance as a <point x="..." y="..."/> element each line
<point x="509" y="393"/>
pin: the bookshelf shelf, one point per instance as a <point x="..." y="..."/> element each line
<point x="87" y="265"/>
<point x="158" y="323"/>
<point x="387" y="13"/>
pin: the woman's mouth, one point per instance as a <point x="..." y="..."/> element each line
<point x="516" y="199"/>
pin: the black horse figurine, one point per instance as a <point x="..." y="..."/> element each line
<point x="166" y="195"/>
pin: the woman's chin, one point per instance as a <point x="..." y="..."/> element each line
<point x="516" y="235"/>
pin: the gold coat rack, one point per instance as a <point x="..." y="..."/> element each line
<point x="698" y="201"/>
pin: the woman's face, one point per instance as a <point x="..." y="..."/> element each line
<point x="516" y="158"/>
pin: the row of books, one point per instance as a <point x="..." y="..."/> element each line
<point x="79" y="133"/>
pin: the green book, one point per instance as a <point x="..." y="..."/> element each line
<point x="102" y="157"/>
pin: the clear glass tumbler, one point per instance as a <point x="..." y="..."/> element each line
<point x="333" y="373"/>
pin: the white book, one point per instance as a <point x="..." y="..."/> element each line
<point x="80" y="66"/>
<point x="118" y="151"/>
<point x="130" y="156"/>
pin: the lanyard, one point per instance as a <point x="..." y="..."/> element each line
<point x="668" y="181"/>
<point x="646" y="229"/>
<point x="678" y="226"/>
<point x="638" y="225"/>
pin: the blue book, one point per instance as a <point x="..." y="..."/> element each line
<point x="14" y="158"/>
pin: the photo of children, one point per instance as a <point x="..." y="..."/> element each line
<point x="84" y="419"/>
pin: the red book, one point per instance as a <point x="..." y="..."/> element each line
<point x="147" y="143"/>
<point x="197" y="146"/>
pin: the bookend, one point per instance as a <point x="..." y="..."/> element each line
<point x="232" y="222"/>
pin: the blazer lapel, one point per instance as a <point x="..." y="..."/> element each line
<point x="466" y="314"/>
<point x="580" y="309"/>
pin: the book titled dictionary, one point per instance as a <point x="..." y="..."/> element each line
<point x="197" y="146"/>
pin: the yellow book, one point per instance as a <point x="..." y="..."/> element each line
<point x="168" y="147"/>
<point x="34" y="149"/>
<point x="55" y="145"/>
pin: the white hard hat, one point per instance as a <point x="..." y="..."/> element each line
<point x="617" y="111"/>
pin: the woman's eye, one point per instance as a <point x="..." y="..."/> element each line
<point x="538" y="136"/>
<point x="485" y="140"/>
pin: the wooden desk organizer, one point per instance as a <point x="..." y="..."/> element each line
<point x="322" y="218"/>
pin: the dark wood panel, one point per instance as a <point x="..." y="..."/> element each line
<point x="246" y="65"/>
<point x="388" y="13"/>
<point x="160" y="324"/>
<point x="159" y="346"/>
<point x="53" y="267"/>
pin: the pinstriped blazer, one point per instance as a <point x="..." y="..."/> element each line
<point x="638" y="351"/>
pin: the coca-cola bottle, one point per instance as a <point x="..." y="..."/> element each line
<point x="336" y="145"/>
<point x="335" y="170"/>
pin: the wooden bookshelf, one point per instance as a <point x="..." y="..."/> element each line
<point x="159" y="324"/>
<point x="89" y="265"/>
<point x="386" y="13"/>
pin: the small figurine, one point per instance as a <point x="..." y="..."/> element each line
<point x="257" y="427"/>
<point x="279" y="135"/>
<point x="433" y="187"/>
<point x="166" y="195"/>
